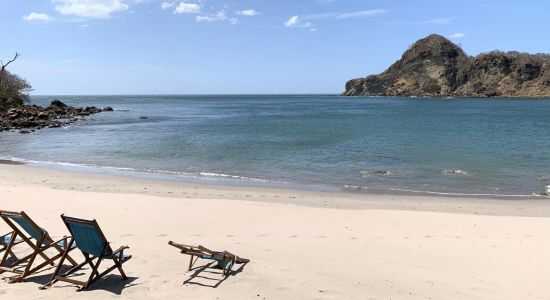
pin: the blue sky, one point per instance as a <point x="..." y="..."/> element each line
<point x="246" y="46"/>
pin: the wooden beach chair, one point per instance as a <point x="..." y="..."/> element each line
<point x="36" y="238"/>
<point x="225" y="260"/>
<point x="5" y="241"/>
<point x="91" y="241"/>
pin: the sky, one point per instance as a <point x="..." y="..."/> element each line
<point x="98" y="47"/>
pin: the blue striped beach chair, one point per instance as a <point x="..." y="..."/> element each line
<point x="26" y="231"/>
<point x="224" y="259"/>
<point x="91" y="241"/>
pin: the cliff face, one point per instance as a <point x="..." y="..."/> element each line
<point x="436" y="67"/>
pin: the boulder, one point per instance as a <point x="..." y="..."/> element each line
<point x="57" y="104"/>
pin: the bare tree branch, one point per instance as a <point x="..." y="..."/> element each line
<point x="9" y="62"/>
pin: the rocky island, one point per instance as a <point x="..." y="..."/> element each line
<point x="26" y="118"/>
<point x="436" y="67"/>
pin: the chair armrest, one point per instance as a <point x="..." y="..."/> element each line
<point x="65" y="241"/>
<point x="120" y="251"/>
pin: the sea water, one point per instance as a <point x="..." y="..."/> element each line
<point x="378" y="144"/>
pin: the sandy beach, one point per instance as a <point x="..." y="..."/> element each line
<point x="302" y="244"/>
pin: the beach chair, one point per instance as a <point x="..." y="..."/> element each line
<point x="225" y="260"/>
<point x="92" y="243"/>
<point x="5" y="241"/>
<point x="36" y="238"/>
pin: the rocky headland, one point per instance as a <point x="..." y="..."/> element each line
<point x="29" y="118"/>
<point x="436" y="67"/>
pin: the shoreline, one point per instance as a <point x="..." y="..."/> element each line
<point x="212" y="179"/>
<point x="70" y="180"/>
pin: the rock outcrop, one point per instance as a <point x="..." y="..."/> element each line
<point x="436" y="67"/>
<point x="36" y="117"/>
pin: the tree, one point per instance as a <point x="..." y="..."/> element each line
<point x="13" y="89"/>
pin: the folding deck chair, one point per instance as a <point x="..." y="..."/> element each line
<point x="5" y="241"/>
<point x="25" y="230"/>
<point x="225" y="260"/>
<point x="92" y="243"/>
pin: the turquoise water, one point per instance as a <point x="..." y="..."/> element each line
<point x="464" y="146"/>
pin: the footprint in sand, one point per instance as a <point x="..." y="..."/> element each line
<point x="162" y="235"/>
<point x="127" y="234"/>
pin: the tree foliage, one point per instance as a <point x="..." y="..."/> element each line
<point x="13" y="89"/>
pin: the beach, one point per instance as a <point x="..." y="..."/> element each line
<point x="301" y="244"/>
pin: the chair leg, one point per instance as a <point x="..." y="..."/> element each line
<point x="8" y="250"/>
<point x="94" y="276"/>
<point x="190" y="263"/>
<point x="58" y="268"/>
<point x="90" y="260"/>
<point x="26" y="272"/>
<point x="119" y="267"/>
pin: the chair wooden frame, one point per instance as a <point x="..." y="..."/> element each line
<point x="43" y="243"/>
<point x="117" y="256"/>
<point x="225" y="259"/>
<point x="5" y="245"/>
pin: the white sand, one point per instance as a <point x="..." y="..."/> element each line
<point x="302" y="245"/>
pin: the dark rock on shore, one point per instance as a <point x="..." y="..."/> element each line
<point x="36" y="117"/>
<point x="436" y="67"/>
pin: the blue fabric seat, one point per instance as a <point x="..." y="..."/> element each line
<point x="7" y="238"/>
<point x="88" y="239"/>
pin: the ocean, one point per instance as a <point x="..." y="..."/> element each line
<point x="356" y="144"/>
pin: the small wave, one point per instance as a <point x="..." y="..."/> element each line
<point x="545" y="192"/>
<point x="455" y="172"/>
<point x="355" y="187"/>
<point x="457" y="194"/>
<point x="199" y="175"/>
<point x="207" y="174"/>
<point x="375" y="173"/>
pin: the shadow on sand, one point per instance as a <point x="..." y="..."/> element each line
<point x="210" y="276"/>
<point x="111" y="283"/>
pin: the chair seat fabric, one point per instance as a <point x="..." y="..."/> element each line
<point x="5" y="240"/>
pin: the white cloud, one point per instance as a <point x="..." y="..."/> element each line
<point x="219" y="16"/>
<point x="347" y="15"/>
<point x="295" y="21"/>
<point x="248" y="12"/>
<point x="167" y="5"/>
<point x="440" y="21"/>
<point x="37" y="17"/>
<point x="187" y="8"/>
<point x="457" y="35"/>
<point x="90" y="8"/>
<point x="234" y="21"/>
<point x="362" y="13"/>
